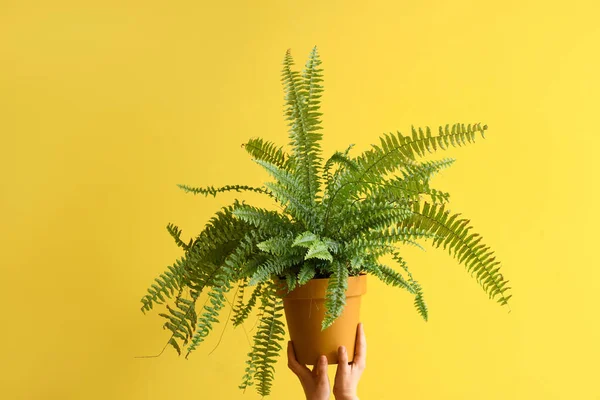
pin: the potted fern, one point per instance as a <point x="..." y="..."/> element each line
<point x="337" y="217"/>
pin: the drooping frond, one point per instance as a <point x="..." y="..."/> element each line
<point x="238" y="299"/>
<point x="181" y="320"/>
<point x="242" y="311"/>
<point x="454" y="235"/>
<point x="267" y="221"/>
<point x="210" y="315"/>
<point x="419" y="301"/>
<point x="387" y="275"/>
<point x="219" y="237"/>
<point x="335" y="296"/>
<point x="166" y="284"/>
<point x="270" y="333"/>
<point x="211" y="190"/>
<point x="302" y="104"/>
<point x="220" y="281"/>
<point x="267" y="151"/>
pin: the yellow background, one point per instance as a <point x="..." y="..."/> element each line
<point x="106" y="105"/>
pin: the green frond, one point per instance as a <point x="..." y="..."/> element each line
<point x="278" y="245"/>
<point x="320" y="250"/>
<point x="181" y="320"/>
<point x="419" y="301"/>
<point x="266" y="221"/>
<point x="317" y="248"/>
<point x="166" y="284"/>
<point x="302" y="104"/>
<point x="220" y="280"/>
<point x="306" y="273"/>
<point x="359" y="246"/>
<point x="372" y="213"/>
<point x="399" y="234"/>
<point x="175" y="232"/>
<point x="426" y="169"/>
<point x="454" y="235"/>
<point x="210" y="314"/>
<point x="342" y="160"/>
<point x="287" y="190"/>
<point x="242" y="311"/>
<point x="305" y="239"/>
<point x="335" y="297"/>
<point x="457" y="135"/>
<point x="269" y="335"/>
<point x="267" y="151"/>
<point x="388" y="275"/>
<point x="275" y="267"/>
<point x="238" y="299"/>
<point x="211" y="190"/>
<point x="372" y="166"/>
<point x="214" y="276"/>
<point x="291" y="280"/>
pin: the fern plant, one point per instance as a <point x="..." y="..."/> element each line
<point x="336" y="218"/>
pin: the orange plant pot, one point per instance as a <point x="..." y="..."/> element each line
<point x="304" y="311"/>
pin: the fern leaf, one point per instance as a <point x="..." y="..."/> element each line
<point x="457" y="135"/>
<point x="341" y="159"/>
<point x="318" y="249"/>
<point x="335" y="297"/>
<point x="175" y="232"/>
<point x="267" y="344"/>
<point x="267" y="151"/>
<point x="166" y="284"/>
<point x="419" y="301"/>
<point x="453" y="233"/>
<point x="220" y="279"/>
<point x="306" y="273"/>
<point x="242" y="312"/>
<point x="388" y="275"/>
<point x="211" y="190"/>
<point x="275" y="267"/>
<point x="266" y="221"/>
<point x="305" y="239"/>
<point x="278" y="245"/>
<point x="302" y="104"/>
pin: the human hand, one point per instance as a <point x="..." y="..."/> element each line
<point x="316" y="382"/>
<point x="348" y="374"/>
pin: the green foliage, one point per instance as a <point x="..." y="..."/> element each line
<point x="335" y="297"/>
<point x="335" y="218"/>
<point x="267" y="343"/>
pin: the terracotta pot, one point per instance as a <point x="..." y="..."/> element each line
<point x="304" y="311"/>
